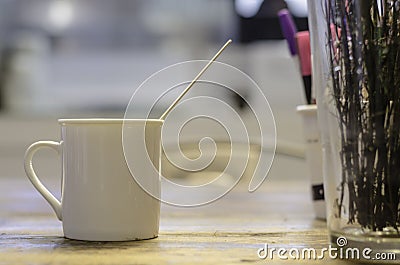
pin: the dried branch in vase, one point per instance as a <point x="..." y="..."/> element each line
<point x="364" y="51"/>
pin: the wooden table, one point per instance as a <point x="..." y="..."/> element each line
<point x="229" y="231"/>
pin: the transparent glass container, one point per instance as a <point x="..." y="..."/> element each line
<point x="356" y="77"/>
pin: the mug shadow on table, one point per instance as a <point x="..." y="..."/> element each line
<point x="26" y="242"/>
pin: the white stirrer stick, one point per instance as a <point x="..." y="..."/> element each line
<point x="194" y="80"/>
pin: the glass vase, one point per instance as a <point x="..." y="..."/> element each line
<point x="356" y="77"/>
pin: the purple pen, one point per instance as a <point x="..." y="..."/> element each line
<point x="289" y="30"/>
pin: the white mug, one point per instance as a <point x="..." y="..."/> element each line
<point x="100" y="200"/>
<point x="313" y="152"/>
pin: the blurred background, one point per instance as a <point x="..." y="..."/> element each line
<point x="85" y="58"/>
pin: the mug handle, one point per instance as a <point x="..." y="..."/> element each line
<point x="30" y="172"/>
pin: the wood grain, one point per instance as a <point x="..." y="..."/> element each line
<point x="229" y="231"/>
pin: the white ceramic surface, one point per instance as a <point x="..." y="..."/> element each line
<point x="313" y="150"/>
<point x="100" y="199"/>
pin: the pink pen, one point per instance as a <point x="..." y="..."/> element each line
<point x="304" y="52"/>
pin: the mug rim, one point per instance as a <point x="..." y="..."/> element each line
<point x="108" y="121"/>
<point x="311" y="108"/>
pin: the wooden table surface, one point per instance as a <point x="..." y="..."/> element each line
<point x="229" y="231"/>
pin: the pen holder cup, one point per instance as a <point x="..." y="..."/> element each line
<point x="313" y="153"/>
